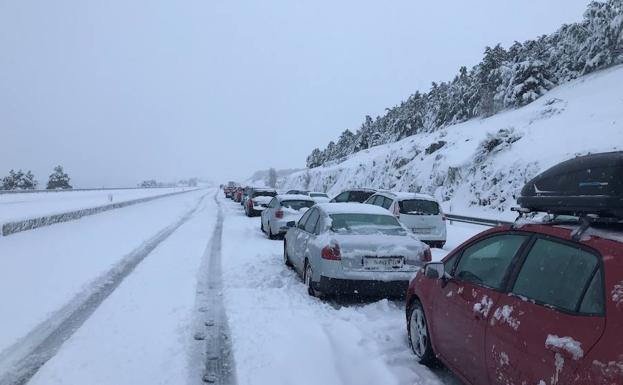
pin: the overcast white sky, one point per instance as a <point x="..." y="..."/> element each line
<point x="119" y="91"/>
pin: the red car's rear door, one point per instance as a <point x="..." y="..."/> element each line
<point x="552" y="318"/>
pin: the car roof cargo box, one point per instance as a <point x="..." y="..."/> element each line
<point x="591" y="184"/>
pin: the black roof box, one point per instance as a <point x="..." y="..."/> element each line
<point x="590" y="184"/>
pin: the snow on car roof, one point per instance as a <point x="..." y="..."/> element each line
<point x="294" y="197"/>
<point x="402" y="195"/>
<point x="351" y="208"/>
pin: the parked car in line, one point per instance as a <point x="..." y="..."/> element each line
<point x="358" y="195"/>
<point x="533" y="303"/>
<point x="353" y="249"/>
<point x="319" y="197"/>
<point x="419" y="212"/>
<point x="245" y="194"/>
<point x="237" y="194"/>
<point x="281" y="210"/>
<point x="257" y="200"/>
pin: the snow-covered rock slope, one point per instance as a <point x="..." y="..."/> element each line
<point x="481" y="165"/>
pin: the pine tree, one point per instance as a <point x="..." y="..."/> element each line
<point x="529" y="81"/>
<point x="58" y="180"/>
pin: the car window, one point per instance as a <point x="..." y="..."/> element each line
<point x="310" y="225"/>
<point x="264" y="194"/>
<point x="594" y="301"/>
<point x="301" y="224"/>
<point x="448" y="265"/>
<point x="365" y="224"/>
<point x="359" y="196"/>
<point x="318" y="195"/>
<point x="375" y="200"/>
<point x="486" y="262"/>
<point x="556" y="274"/>
<point x="419" y="207"/>
<point x="343" y="197"/>
<point x="297" y="204"/>
<point x="273" y="203"/>
<point x="386" y="203"/>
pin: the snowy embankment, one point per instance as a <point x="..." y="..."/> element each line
<point x="27" y="211"/>
<point x="281" y="335"/>
<point x="42" y="270"/>
<point x="478" y="167"/>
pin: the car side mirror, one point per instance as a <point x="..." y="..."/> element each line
<point x="291" y="224"/>
<point x="435" y="270"/>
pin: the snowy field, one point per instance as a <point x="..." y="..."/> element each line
<point x="143" y="331"/>
<point x="17" y="206"/>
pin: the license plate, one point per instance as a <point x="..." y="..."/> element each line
<point x="423" y="230"/>
<point x="383" y="263"/>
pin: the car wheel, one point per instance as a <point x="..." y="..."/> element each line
<point x="270" y="232"/>
<point x="419" y="337"/>
<point x="307" y="278"/>
<point x="286" y="258"/>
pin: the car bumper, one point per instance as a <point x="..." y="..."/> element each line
<point x="364" y="288"/>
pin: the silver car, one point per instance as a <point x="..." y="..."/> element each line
<point x="350" y="248"/>
<point x="281" y="210"/>
<point x="420" y="213"/>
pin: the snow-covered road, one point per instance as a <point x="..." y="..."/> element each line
<point x="145" y="329"/>
<point x="283" y="336"/>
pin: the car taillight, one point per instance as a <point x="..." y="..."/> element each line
<point x="427" y="256"/>
<point x="331" y="253"/>
<point x="279" y="214"/>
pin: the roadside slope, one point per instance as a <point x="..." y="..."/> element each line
<point x="482" y="164"/>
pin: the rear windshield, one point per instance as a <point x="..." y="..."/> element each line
<point x="419" y="207"/>
<point x="297" y="192"/>
<point x="365" y="224"/>
<point x="359" y="196"/>
<point x="297" y="205"/>
<point x="314" y="195"/>
<point x="264" y="194"/>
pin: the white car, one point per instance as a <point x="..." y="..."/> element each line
<point x="420" y="213"/>
<point x="353" y="249"/>
<point x="281" y="210"/>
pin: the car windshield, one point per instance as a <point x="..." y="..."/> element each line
<point x="419" y="207"/>
<point x="365" y="224"/>
<point x="318" y="195"/>
<point x="264" y="194"/>
<point x="360" y="196"/>
<point x="297" y="205"/>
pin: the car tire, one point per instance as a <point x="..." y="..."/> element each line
<point x="270" y="233"/>
<point x="419" y="336"/>
<point x="286" y="258"/>
<point x="307" y="279"/>
<point x="262" y="226"/>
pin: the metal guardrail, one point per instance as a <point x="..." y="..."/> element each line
<point x="477" y="221"/>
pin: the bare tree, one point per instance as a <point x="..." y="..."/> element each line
<point x="271" y="180"/>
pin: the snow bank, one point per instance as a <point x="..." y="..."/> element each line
<point x="484" y="163"/>
<point x="33" y="223"/>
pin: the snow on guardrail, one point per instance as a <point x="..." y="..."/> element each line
<point x="47" y="220"/>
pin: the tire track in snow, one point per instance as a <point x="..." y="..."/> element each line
<point x="212" y="358"/>
<point x="21" y="361"/>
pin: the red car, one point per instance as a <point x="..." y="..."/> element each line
<point x="529" y="304"/>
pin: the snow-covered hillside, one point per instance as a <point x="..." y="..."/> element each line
<point x="481" y="165"/>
